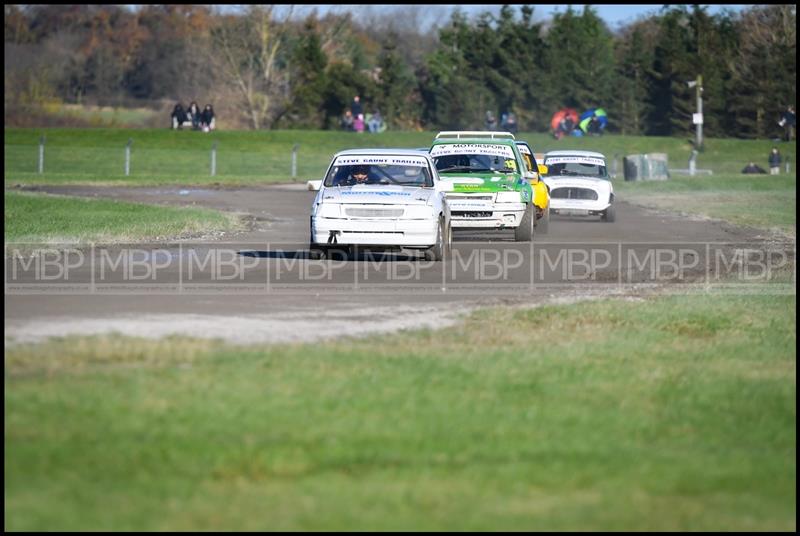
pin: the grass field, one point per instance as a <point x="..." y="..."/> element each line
<point x="761" y="201"/>
<point x="161" y="156"/>
<point x="675" y="413"/>
<point x="104" y="116"/>
<point x="96" y="156"/>
<point x="40" y="218"/>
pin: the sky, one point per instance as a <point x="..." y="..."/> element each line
<point x="614" y="14"/>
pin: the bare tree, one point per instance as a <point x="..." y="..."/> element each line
<point x="245" y="49"/>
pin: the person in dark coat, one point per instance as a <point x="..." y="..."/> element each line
<point x="207" y="122"/>
<point x="752" y="168"/>
<point x="178" y="116"/>
<point x="355" y="107"/>
<point x="194" y="115"/>
<point x="774" y="162"/>
<point x="788" y="122"/>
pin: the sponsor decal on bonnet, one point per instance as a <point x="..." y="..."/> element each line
<point x="575" y="160"/>
<point x="490" y="149"/>
<point x="379" y="192"/>
<point x="416" y="161"/>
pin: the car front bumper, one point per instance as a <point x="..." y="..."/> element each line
<point x="374" y="232"/>
<point x="477" y="215"/>
<point x="578" y="207"/>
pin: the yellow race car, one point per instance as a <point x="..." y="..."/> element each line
<point x="541" y="192"/>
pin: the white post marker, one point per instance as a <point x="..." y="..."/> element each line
<point x="294" y="161"/>
<point x="41" y="154"/>
<point x="128" y="157"/>
<point x="213" y="159"/>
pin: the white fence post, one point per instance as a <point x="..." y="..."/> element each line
<point x="294" y="161"/>
<point x="41" y="154"/>
<point x="128" y="157"/>
<point x="214" y="159"/>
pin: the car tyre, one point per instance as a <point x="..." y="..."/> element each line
<point x="316" y="252"/>
<point x="543" y="225"/>
<point x="524" y="232"/>
<point x="444" y="238"/>
<point x="610" y="214"/>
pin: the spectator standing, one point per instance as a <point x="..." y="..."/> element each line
<point x="774" y="162"/>
<point x="194" y="115"/>
<point x="178" y="116"/>
<point x="358" y="114"/>
<point x="788" y="122"/>
<point x="355" y="107"/>
<point x="208" y="121"/>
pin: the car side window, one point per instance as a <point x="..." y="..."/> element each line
<point x="527" y="159"/>
<point x="523" y="162"/>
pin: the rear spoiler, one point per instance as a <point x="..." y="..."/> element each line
<point x="458" y="134"/>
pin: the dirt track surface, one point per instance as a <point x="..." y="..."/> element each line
<point x="280" y="295"/>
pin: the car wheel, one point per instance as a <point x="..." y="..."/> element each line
<point x="316" y="252"/>
<point x="610" y="214"/>
<point x="543" y="225"/>
<point x="439" y="250"/>
<point x="448" y="242"/>
<point x="524" y="233"/>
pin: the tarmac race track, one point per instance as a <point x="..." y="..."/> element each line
<point x="260" y="286"/>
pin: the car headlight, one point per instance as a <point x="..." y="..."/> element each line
<point x="329" y="210"/>
<point x="418" y="212"/>
<point x="508" y="197"/>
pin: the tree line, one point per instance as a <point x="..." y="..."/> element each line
<point x="265" y="67"/>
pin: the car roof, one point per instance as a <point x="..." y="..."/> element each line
<point x="575" y="153"/>
<point x="454" y="141"/>
<point x="383" y="151"/>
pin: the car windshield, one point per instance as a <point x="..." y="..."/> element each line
<point x="576" y="166"/>
<point x="388" y="174"/>
<point x="475" y="163"/>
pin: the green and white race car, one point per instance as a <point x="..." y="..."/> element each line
<point x="491" y="186"/>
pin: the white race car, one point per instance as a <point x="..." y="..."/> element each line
<point x="381" y="198"/>
<point x="579" y="184"/>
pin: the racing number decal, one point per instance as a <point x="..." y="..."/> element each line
<point x="511" y="164"/>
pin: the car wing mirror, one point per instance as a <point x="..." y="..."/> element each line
<point x="542" y="169"/>
<point x="313" y="186"/>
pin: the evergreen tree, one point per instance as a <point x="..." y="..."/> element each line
<point x="454" y="95"/>
<point x="580" y="61"/>
<point x="309" y="82"/>
<point x="395" y="88"/>
<point x="764" y="72"/>
<point x="671" y="101"/>
<point x="634" y="52"/>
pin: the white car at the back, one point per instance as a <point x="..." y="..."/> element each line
<point x="579" y="184"/>
<point x="400" y="205"/>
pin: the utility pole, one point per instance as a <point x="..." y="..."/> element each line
<point x="697" y="119"/>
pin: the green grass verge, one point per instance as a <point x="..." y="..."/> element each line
<point x="104" y="116"/>
<point x="184" y="157"/>
<point x="761" y="201"/>
<point x="677" y="413"/>
<point x="41" y="218"/>
<point x="161" y="156"/>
